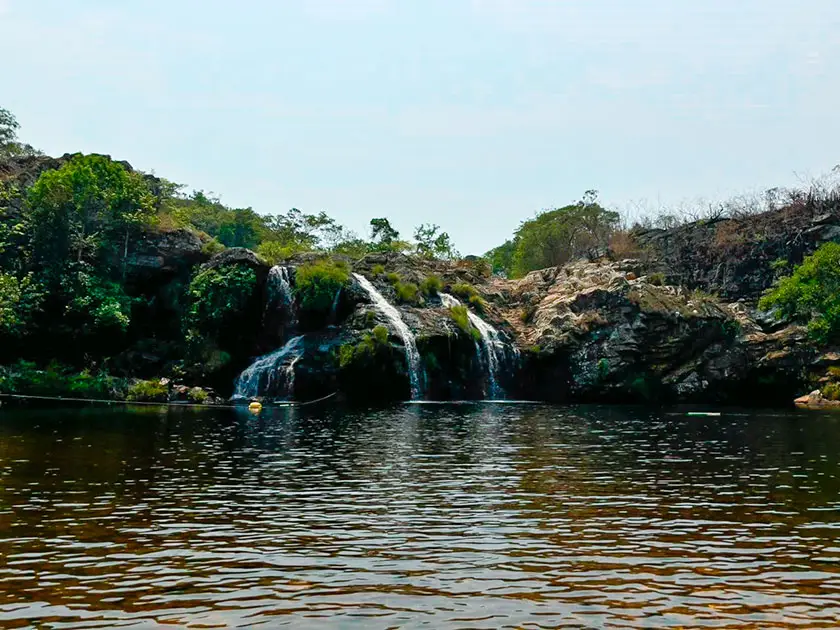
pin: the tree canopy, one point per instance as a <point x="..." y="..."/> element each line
<point x="554" y="237"/>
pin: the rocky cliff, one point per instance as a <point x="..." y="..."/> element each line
<point x="589" y="331"/>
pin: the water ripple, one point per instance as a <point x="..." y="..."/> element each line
<point x="419" y="516"/>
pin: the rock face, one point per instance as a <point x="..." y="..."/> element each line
<point x="736" y="257"/>
<point x="600" y="332"/>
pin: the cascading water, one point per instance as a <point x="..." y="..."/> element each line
<point x="279" y="292"/>
<point x="280" y="284"/>
<point x="491" y="348"/>
<point x="272" y="375"/>
<point x="412" y="355"/>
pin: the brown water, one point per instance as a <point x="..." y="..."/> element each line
<point x="419" y="516"/>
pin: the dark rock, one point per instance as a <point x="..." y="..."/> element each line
<point x="238" y="256"/>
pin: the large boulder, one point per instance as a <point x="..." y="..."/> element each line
<point x="597" y="332"/>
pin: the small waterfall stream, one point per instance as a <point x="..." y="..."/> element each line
<point x="491" y="348"/>
<point x="279" y="292"/>
<point x="280" y="284"/>
<point x="271" y="375"/>
<point x="412" y="355"/>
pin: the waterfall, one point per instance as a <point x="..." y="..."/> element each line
<point x="403" y="331"/>
<point x="271" y="375"/>
<point x="491" y="348"/>
<point x="280" y="284"/>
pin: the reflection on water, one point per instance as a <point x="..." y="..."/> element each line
<point x="434" y="516"/>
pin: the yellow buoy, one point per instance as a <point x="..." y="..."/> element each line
<point x="255" y="407"/>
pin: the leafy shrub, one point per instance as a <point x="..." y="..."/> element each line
<point x="460" y="316"/>
<point x="97" y="306"/>
<point x="148" y="391"/>
<point x="478" y="303"/>
<point x="318" y="282"/>
<point x="431" y="285"/>
<point x="275" y="252"/>
<point x="198" y="395"/>
<point x="657" y="279"/>
<point x="812" y="294"/>
<point x="217" y="295"/>
<point x="555" y="237"/>
<point x="25" y="378"/>
<point x="407" y="292"/>
<point x="19" y="300"/>
<point x="364" y="351"/>
<point x="831" y="391"/>
<point x="212" y="247"/>
<point x="377" y="270"/>
<point x="380" y="334"/>
<point x="780" y="265"/>
<point x="480" y="266"/>
<point x="463" y="290"/>
<point x="393" y="277"/>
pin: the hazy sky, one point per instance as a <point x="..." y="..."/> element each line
<point x="472" y="114"/>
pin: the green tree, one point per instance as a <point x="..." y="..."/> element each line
<point x="87" y="211"/>
<point x="811" y="294"/>
<point x="433" y="243"/>
<point x="20" y="298"/>
<point x="382" y="234"/>
<point x="8" y="128"/>
<point x="501" y="258"/>
<point x="9" y="144"/>
<point x="96" y="307"/>
<point x="317" y="284"/>
<point x="242" y="227"/>
<point x="216" y="296"/>
<point x="555" y="237"/>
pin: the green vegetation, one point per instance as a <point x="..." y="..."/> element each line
<point x="811" y="294"/>
<point x="377" y="270"/>
<point x="198" y="396"/>
<point x="25" y="378"/>
<point x="217" y="296"/>
<point x="20" y="298"/>
<point x="780" y="265"/>
<point x="431" y="285"/>
<point x="393" y="277"/>
<point x="364" y="352"/>
<point x="407" y="292"/>
<point x="461" y="318"/>
<point x="657" y="279"/>
<point x="87" y="212"/>
<point x="432" y="243"/>
<point x="9" y="144"/>
<point x="468" y="293"/>
<point x="831" y="391"/>
<point x="317" y="283"/>
<point x="148" y="391"/>
<point x="555" y="237"/>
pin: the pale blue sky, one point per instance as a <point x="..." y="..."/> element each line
<point x="472" y="114"/>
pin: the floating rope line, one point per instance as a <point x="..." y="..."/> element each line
<point x="130" y="403"/>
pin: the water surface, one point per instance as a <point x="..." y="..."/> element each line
<point x="469" y="516"/>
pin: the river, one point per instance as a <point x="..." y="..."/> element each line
<point x="434" y="516"/>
